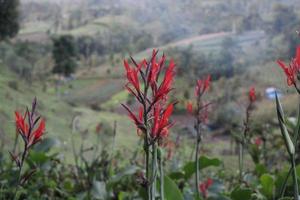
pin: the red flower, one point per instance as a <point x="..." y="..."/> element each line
<point x="204" y="114"/>
<point x="132" y="77"/>
<point x="258" y="141"/>
<point x="292" y="69"/>
<point x="202" y="86"/>
<point x="152" y="98"/>
<point x="161" y="122"/>
<point x="27" y="126"/>
<point x="166" y="85"/>
<point x="203" y="187"/>
<point x="252" y="95"/>
<point x="137" y="120"/>
<point x="189" y="107"/>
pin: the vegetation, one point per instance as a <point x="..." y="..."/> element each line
<point x="9" y="18"/>
<point x="64" y="54"/>
<point x="89" y="110"/>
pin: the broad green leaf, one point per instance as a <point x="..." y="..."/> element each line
<point x="99" y="190"/>
<point x="46" y="144"/>
<point x="204" y="162"/>
<point x="260" y="169"/>
<point x="171" y="190"/>
<point x="268" y="184"/>
<point x="128" y="171"/>
<point x="240" y="193"/>
<point x="38" y="157"/>
<point x="176" y="175"/>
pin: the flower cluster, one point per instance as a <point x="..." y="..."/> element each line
<point x="151" y="91"/>
<point x="291" y="71"/>
<point x="203" y="187"/>
<point x="202" y="86"/>
<point x="202" y="110"/>
<point x="30" y="126"/>
<point x="252" y="94"/>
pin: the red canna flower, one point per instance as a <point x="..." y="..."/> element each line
<point x="161" y="122"/>
<point x="31" y="128"/>
<point x="137" y="120"/>
<point x="258" y="141"/>
<point x="202" y="86"/>
<point x="204" y="113"/>
<point x="98" y="128"/>
<point x="252" y="94"/>
<point x="27" y="127"/>
<point x="132" y="78"/>
<point x="203" y="187"/>
<point x="291" y="71"/>
<point x="189" y="107"/>
<point x="153" y="97"/>
<point x="166" y="85"/>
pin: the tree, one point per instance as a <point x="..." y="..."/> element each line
<point x="9" y="18"/>
<point x="64" y="54"/>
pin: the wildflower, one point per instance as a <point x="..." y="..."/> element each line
<point x="204" y="113"/>
<point x="258" y="141"/>
<point x="137" y="120"/>
<point x="252" y="94"/>
<point x="202" y="85"/>
<point x="153" y="118"/>
<point x="27" y="126"/>
<point x="161" y="122"/>
<point x="133" y="80"/>
<point x="162" y="91"/>
<point x="189" y="107"/>
<point x="291" y="71"/>
<point x="205" y="186"/>
<point x="31" y="127"/>
<point x="98" y="128"/>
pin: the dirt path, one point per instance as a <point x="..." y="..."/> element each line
<point x="189" y="41"/>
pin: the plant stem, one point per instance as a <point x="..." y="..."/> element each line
<point x="241" y="161"/>
<point x="146" y="149"/>
<point x="154" y="171"/>
<point x="197" y="166"/>
<point x="161" y="171"/>
<point x="296" y="192"/>
<point x="283" y="186"/>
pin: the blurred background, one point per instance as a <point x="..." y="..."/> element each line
<point x="69" y="54"/>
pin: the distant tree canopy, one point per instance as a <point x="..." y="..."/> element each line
<point x="9" y="18"/>
<point x="64" y="54"/>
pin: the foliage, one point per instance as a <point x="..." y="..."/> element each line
<point x="9" y="18"/>
<point x="64" y="53"/>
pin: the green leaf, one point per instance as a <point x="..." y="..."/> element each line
<point x="177" y="175"/>
<point x="171" y="190"/>
<point x="99" y="190"/>
<point x="240" y="193"/>
<point x="127" y="172"/>
<point x="268" y="184"/>
<point x="287" y="139"/>
<point x="204" y="162"/>
<point x="260" y="169"/>
<point x="46" y="144"/>
<point x="38" y="157"/>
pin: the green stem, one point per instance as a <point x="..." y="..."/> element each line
<point x="161" y="171"/>
<point x="241" y="160"/>
<point x="296" y="192"/>
<point x="197" y="167"/>
<point x="283" y="186"/>
<point x="146" y="147"/>
<point x="154" y="171"/>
